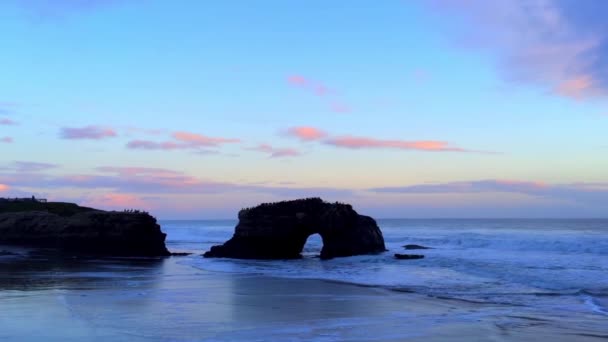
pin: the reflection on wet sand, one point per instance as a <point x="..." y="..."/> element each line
<point x="53" y="298"/>
<point x="38" y="269"/>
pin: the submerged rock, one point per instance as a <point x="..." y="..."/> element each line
<point x="180" y="254"/>
<point x="415" y="247"/>
<point x="408" y="256"/>
<point x="279" y="231"/>
<point x="89" y="232"/>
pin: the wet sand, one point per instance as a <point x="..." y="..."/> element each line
<point x="55" y="299"/>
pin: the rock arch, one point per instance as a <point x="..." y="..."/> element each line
<point x="280" y="230"/>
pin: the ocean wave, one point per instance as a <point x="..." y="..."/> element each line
<point x="560" y="244"/>
<point x="594" y="305"/>
<point x="507" y="264"/>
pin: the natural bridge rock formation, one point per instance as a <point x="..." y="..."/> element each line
<point x="279" y="231"/>
<point x="85" y="232"/>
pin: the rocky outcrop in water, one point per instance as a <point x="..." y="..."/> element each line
<point x="88" y="232"/>
<point x="279" y="231"/>
<point x="416" y="247"/>
<point x="408" y="256"/>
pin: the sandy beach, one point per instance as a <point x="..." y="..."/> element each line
<point x="55" y="299"/>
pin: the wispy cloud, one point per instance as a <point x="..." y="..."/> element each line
<point x="353" y="142"/>
<point x="139" y="171"/>
<point x="155" y="145"/>
<point x="339" y="107"/>
<point x="116" y="201"/>
<point x="27" y="166"/>
<point x="183" y="141"/>
<point x="6" y="107"/>
<point x="129" y="130"/>
<point x="315" y="87"/>
<point x="309" y="133"/>
<point x="202" y="140"/>
<point x="561" y="45"/>
<point x="141" y="180"/>
<point x="330" y="96"/>
<point x="577" y="192"/>
<point x="306" y="133"/>
<point x="274" y="152"/>
<point x="6" y="140"/>
<point x="7" y="122"/>
<point x="88" y="132"/>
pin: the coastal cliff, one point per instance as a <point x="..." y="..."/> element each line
<point x="85" y="230"/>
<point x="280" y="230"/>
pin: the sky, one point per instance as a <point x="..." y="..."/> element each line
<point x="194" y="109"/>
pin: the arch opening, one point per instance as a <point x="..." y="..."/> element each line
<point x="312" y="246"/>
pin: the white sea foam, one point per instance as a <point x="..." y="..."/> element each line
<point x="594" y="305"/>
<point x="524" y="262"/>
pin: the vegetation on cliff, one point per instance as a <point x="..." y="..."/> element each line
<point x="75" y="229"/>
<point x="58" y="208"/>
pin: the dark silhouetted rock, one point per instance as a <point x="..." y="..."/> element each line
<point x="408" y="256"/>
<point x="88" y="232"/>
<point x="179" y="254"/>
<point x="415" y="247"/>
<point x="279" y="231"/>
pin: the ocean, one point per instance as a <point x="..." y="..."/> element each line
<point x="483" y="280"/>
<point x="553" y="264"/>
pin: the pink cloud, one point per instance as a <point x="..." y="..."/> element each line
<point x="556" y="44"/>
<point x="276" y="152"/>
<point x="576" y="87"/>
<point x="284" y="152"/>
<point x="315" y="87"/>
<point x="7" y="122"/>
<point x="306" y="133"/>
<point x="183" y="140"/>
<point x="321" y="90"/>
<point x="518" y="183"/>
<point x="139" y="171"/>
<point x="87" y="132"/>
<point x="297" y="80"/>
<point x="6" y="140"/>
<point x="146" y="181"/>
<point x="201" y="140"/>
<point x="4" y="187"/>
<point x="116" y="201"/>
<point x="366" y="143"/>
<point x="263" y="148"/>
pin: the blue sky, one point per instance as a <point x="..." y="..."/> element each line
<point x="405" y="109"/>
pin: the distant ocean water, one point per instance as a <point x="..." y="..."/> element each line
<point x="546" y="264"/>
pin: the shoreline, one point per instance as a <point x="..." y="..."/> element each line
<point x="135" y="299"/>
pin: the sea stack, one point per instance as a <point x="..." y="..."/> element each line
<point x="280" y="230"/>
<point x="83" y="230"/>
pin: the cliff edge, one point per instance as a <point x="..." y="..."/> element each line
<point x="83" y="230"/>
